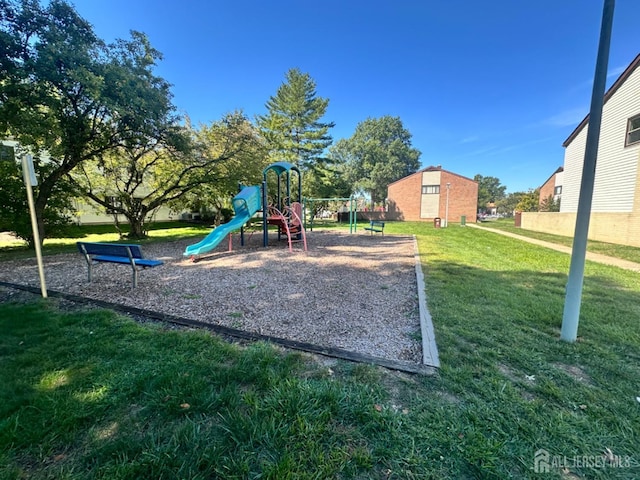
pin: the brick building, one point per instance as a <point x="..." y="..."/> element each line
<point x="552" y="187"/>
<point x="433" y="192"/>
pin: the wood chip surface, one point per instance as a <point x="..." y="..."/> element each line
<point x="352" y="291"/>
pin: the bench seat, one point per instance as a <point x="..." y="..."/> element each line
<point x="142" y="262"/>
<point x="120" y="253"/>
<point x="376" y="226"/>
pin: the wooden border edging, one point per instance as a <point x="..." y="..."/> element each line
<point x="223" y="331"/>
<point x="429" y="347"/>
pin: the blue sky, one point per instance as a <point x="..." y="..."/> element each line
<point x="488" y="87"/>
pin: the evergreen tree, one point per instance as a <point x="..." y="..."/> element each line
<point x="292" y="126"/>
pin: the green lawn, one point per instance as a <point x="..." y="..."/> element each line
<point x="620" y="251"/>
<point x="158" y="232"/>
<point x="89" y="394"/>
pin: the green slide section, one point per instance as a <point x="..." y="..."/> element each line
<point x="245" y="205"/>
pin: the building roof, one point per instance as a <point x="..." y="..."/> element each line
<point x="558" y="170"/>
<point x="434" y="168"/>
<point x="613" y="89"/>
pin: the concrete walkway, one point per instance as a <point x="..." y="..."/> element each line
<point x="594" y="257"/>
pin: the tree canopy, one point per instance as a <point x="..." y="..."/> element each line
<point x="293" y="127"/>
<point x="489" y="190"/>
<point x="507" y="204"/>
<point x="66" y="93"/>
<point x="529" y="201"/>
<point x="377" y="154"/>
<point x="549" y="204"/>
<point x="137" y="179"/>
<point x="233" y="153"/>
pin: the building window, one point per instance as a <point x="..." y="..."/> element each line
<point x="7" y="154"/>
<point x="633" y="131"/>
<point x="430" y="189"/>
<point x="557" y="190"/>
<point x="114" y="202"/>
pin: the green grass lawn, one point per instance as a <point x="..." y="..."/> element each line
<point x="619" y="251"/>
<point x="158" y="232"/>
<point x="89" y="394"/>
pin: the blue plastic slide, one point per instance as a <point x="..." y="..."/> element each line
<point x="245" y="205"/>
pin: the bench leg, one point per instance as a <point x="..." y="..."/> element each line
<point x="135" y="276"/>
<point x="89" y="269"/>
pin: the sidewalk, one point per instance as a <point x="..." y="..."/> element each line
<point x="594" y="257"/>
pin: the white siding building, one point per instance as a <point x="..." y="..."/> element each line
<point x="615" y="211"/>
<point x="617" y="167"/>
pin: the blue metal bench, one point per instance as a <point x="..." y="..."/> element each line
<point x="375" y="226"/>
<point x="126" y="254"/>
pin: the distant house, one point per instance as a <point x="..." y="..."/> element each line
<point x="433" y="193"/>
<point x="491" y="209"/>
<point x="86" y="211"/>
<point x="552" y="188"/>
<point x="615" y="211"/>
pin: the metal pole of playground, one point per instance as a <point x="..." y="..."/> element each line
<point x="311" y="208"/>
<point x="352" y="216"/>
<point x="265" y="214"/>
<point x="350" y="200"/>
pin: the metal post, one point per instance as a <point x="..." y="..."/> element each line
<point x="446" y="209"/>
<point x="30" y="179"/>
<point x="570" y="319"/>
<point x="265" y="214"/>
<point x="351" y="223"/>
<point x="242" y="227"/>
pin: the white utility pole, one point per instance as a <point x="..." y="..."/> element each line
<point x="573" y="299"/>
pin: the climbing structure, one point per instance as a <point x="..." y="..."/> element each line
<point x="284" y="208"/>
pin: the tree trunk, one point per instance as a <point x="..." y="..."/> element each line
<point x="137" y="227"/>
<point x="45" y="189"/>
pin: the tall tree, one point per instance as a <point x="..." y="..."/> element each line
<point x="66" y="93"/>
<point x="377" y="154"/>
<point x="328" y="182"/>
<point x="293" y="127"/>
<point x="137" y="179"/>
<point x="489" y="190"/>
<point x="241" y="157"/>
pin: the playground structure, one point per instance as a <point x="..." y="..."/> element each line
<point x="284" y="212"/>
